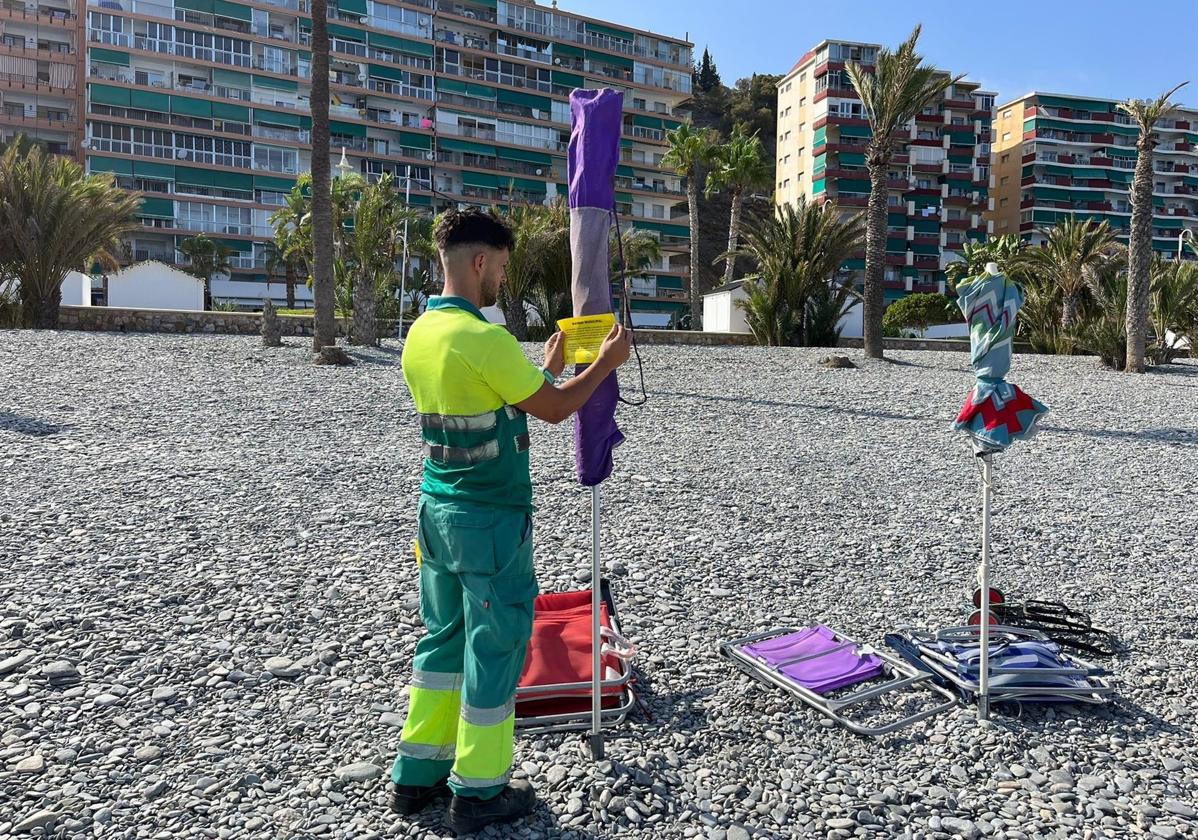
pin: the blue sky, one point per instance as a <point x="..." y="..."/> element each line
<point x="1100" y="48"/>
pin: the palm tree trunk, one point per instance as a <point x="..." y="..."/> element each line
<point x="1139" y="258"/>
<point x="207" y="293"/>
<point x="875" y="259"/>
<point x="738" y="201"/>
<point x="516" y="316"/>
<point x="292" y="279"/>
<point x="364" y="331"/>
<point x="692" y="206"/>
<point x="40" y="312"/>
<point x="325" y="325"/>
<point x="1068" y="310"/>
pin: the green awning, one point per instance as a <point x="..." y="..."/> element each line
<point x="382" y="71"/>
<point x="896" y="218"/>
<point x="529" y="185"/>
<point x="347" y="33"/>
<point x="231" y="78"/>
<point x="569" y="50"/>
<point x="415" y="141"/>
<point x="268" y="182"/>
<point x="422" y="200"/>
<point x="243" y="246"/>
<point x="646" y="122"/>
<point x="149" y="100"/>
<point x="614" y="60"/>
<point x="205" y="6"/>
<point x="108" y="56"/>
<point x="1076" y="104"/>
<point x="113" y="165"/>
<point x="621" y="170"/>
<point x="285" y="118"/>
<point x="353" y="7"/>
<point x="855" y="131"/>
<point x="820" y="136"/>
<point x="480" y="179"/>
<point x="233" y="180"/>
<point x="607" y="30"/>
<point x="1120" y="152"/>
<point x="450" y="144"/>
<point x="515" y="97"/>
<point x="157" y="208"/>
<point x="451" y="86"/>
<point x="856" y="187"/>
<point x="232" y="10"/>
<point x="229" y="111"/>
<point x="348" y="129"/>
<point x="480" y="91"/>
<point x="529" y="156"/>
<point x="191" y="107"/>
<point x="851" y="158"/>
<point x="193" y="176"/>
<point x="926" y="225"/>
<point x="105" y="95"/>
<point x="275" y="84"/>
<point x="403" y="45"/>
<point x="162" y="171"/>
<point x="567" y="79"/>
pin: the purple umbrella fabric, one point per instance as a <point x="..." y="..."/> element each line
<point x="596" y="120"/>
<point x="823" y="662"/>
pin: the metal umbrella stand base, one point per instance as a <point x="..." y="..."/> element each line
<point x="984" y="584"/>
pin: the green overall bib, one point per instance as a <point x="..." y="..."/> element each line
<point x="477" y="582"/>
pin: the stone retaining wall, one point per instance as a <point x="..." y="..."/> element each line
<point x="109" y="319"/>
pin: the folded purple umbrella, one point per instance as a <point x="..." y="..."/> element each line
<point x="816" y="659"/>
<point x="597" y="117"/>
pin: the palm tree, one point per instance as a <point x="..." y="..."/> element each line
<point x="1007" y="251"/>
<point x="1174" y="301"/>
<point x="324" y="330"/>
<point x="797" y="251"/>
<point x="205" y="257"/>
<point x="897" y="88"/>
<point x="374" y="245"/>
<point x="290" y="247"/>
<point x="738" y="166"/>
<point x="55" y="218"/>
<point x="1070" y="259"/>
<point x="1147" y="113"/>
<point x="690" y="150"/>
<point x="534" y="236"/>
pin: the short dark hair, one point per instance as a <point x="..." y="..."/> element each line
<point x="473" y="227"/>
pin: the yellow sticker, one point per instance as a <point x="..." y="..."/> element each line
<point x="416" y="550"/>
<point x="584" y="336"/>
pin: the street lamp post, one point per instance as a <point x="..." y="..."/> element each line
<point x="403" y="271"/>
<point x="1181" y="238"/>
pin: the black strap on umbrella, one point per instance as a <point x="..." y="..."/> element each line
<point x="627" y="313"/>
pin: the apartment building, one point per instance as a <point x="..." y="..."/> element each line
<point x="203" y="106"/>
<point x="41" y="70"/>
<point x="1057" y="156"/>
<point x="939" y="178"/>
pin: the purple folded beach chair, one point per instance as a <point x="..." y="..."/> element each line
<point x="817" y="663"/>
<point x="814" y="658"/>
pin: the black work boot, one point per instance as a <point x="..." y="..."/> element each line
<point x="466" y="815"/>
<point x="411" y="799"/>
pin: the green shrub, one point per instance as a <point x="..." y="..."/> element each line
<point x="918" y="312"/>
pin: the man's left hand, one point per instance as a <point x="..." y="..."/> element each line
<point x="555" y="358"/>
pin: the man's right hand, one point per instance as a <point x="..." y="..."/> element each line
<point x="616" y="348"/>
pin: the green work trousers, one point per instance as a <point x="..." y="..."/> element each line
<point x="477" y="587"/>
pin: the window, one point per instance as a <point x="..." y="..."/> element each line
<point x="802" y="78"/>
<point x="1005" y="158"/>
<point x="659" y="212"/>
<point x="802" y="102"/>
<point x="107" y="29"/>
<point x="1003" y="202"/>
<point x="1006" y="115"/>
<point x="802" y="149"/>
<point x="400" y="20"/>
<point x="1006" y="135"/>
<point x="1002" y="182"/>
<point x="1003" y="223"/>
<point x="801" y="127"/>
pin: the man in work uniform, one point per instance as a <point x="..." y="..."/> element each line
<point x="473" y="386"/>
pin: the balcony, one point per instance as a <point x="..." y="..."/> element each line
<point x="45" y="50"/>
<point x="17" y="10"/>
<point x="468" y="12"/>
<point x="38" y="83"/>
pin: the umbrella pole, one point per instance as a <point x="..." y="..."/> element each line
<point x="596" y="638"/>
<point x="984" y="581"/>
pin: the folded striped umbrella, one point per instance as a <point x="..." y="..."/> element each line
<point x="596" y="119"/>
<point x="996" y="413"/>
